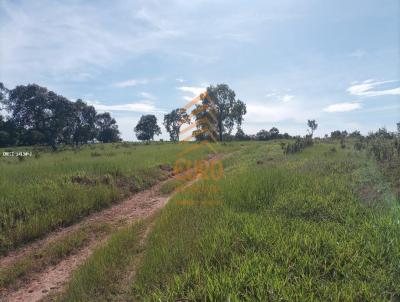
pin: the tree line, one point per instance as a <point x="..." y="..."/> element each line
<point x="39" y="116"/>
<point x="215" y="117"/>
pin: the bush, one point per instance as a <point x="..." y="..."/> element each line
<point x="384" y="149"/>
<point x="299" y="145"/>
<point x="359" y="146"/>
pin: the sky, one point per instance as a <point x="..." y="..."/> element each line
<point x="335" y="61"/>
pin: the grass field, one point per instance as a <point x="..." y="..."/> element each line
<point x="295" y="228"/>
<point x="50" y="190"/>
<point x="320" y="225"/>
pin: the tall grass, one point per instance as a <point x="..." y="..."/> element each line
<point x="49" y="190"/>
<point x="292" y="229"/>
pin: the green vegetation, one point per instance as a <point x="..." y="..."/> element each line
<point x="51" y="253"/>
<point x="54" y="189"/>
<point x="290" y="228"/>
<point x="39" y="116"/>
<point x="99" y="278"/>
<point x="171" y="185"/>
<point x="316" y="225"/>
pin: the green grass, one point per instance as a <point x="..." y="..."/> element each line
<point x="320" y="225"/>
<point x="50" y="254"/>
<point x="171" y="185"/>
<point x="50" y="190"/>
<point x="99" y="278"/>
<point x="289" y="229"/>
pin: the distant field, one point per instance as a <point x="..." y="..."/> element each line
<point x="49" y="190"/>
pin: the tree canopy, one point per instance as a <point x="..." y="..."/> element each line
<point x="107" y="128"/>
<point x="147" y="127"/>
<point x="219" y="112"/>
<point x="173" y="122"/>
<point x="40" y="116"/>
<point x="312" y="124"/>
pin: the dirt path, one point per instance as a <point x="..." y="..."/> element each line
<point x="52" y="279"/>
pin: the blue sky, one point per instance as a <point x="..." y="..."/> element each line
<point x="289" y="60"/>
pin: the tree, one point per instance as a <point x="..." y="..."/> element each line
<point x="274" y="133"/>
<point x="336" y="134"/>
<point x="40" y="116"/>
<point x="355" y="134"/>
<point x="8" y="136"/>
<point x="35" y="110"/>
<point x="241" y="136"/>
<point x="107" y="128"/>
<point x="221" y="109"/>
<point x="339" y="134"/>
<point x="147" y="127"/>
<point x="263" y="135"/>
<point x="312" y="125"/>
<point x="60" y="126"/>
<point x="173" y="122"/>
<point x="32" y="137"/>
<point x="29" y="106"/>
<point x="85" y="123"/>
<point x="3" y="92"/>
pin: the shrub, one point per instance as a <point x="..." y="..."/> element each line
<point x="299" y="145"/>
<point x="359" y="146"/>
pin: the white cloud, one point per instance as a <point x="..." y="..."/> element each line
<point x="187" y="98"/>
<point x="148" y="95"/>
<point x="359" y="53"/>
<point x="287" y="98"/>
<point x="180" y="80"/>
<point x="130" y="83"/>
<point x="366" y="88"/>
<point x="195" y="91"/>
<point x="278" y="112"/>
<point x="343" y="107"/>
<point x="142" y="107"/>
<point x="280" y="97"/>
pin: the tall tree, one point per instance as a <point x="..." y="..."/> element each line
<point x="61" y="122"/>
<point x="107" y="128"/>
<point x="274" y="133"/>
<point x="40" y="116"/>
<point x="312" y="124"/>
<point x="147" y="127"/>
<point x="29" y="106"/>
<point x="173" y="122"/>
<point x="85" y="123"/>
<point x="222" y="109"/>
